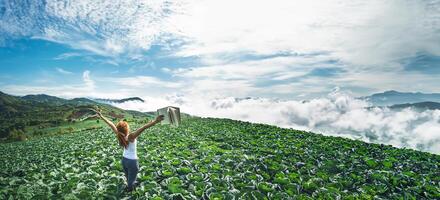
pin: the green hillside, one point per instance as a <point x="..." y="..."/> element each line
<point x="43" y="98"/>
<point x="217" y="159"/>
<point x="39" y="115"/>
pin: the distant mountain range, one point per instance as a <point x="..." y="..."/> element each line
<point x="40" y="110"/>
<point x="33" y="115"/>
<point x="421" y="106"/>
<point x="43" y="98"/>
<point x="119" y="100"/>
<point x="390" y="98"/>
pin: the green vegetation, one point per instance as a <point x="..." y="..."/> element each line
<point x="217" y="159"/>
<point x="41" y="115"/>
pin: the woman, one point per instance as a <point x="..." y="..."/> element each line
<point x="128" y="140"/>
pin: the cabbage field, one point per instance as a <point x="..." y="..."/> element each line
<point x="216" y="159"/>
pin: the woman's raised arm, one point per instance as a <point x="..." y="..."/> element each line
<point x="108" y="122"/>
<point x="136" y="133"/>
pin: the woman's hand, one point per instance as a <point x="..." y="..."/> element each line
<point x="96" y="111"/>
<point x="159" y="118"/>
<point x="108" y="122"/>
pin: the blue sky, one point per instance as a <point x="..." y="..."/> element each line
<point x="278" y="49"/>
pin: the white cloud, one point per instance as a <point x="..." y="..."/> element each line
<point x="68" y="55"/>
<point x="252" y="69"/>
<point x="378" y="80"/>
<point x="144" y="82"/>
<point x="166" y="69"/>
<point x="98" y="87"/>
<point x="89" y="83"/>
<point x="357" y="32"/>
<point x="354" y="31"/>
<point x="104" y="28"/>
<point x="290" y="76"/>
<point x="428" y="133"/>
<point x="368" y="39"/>
<point x="86" y="88"/>
<point x="260" y="77"/>
<point x="339" y="114"/>
<point x="210" y="87"/>
<point x="62" y="71"/>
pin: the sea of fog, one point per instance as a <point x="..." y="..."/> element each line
<point x="338" y="114"/>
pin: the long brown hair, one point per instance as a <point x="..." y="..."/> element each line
<point x="123" y="130"/>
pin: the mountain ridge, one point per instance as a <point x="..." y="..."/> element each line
<point x="21" y="117"/>
<point x="119" y="100"/>
<point x="427" y="105"/>
<point x="393" y="97"/>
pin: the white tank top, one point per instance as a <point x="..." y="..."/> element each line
<point x="130" y="151"/>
